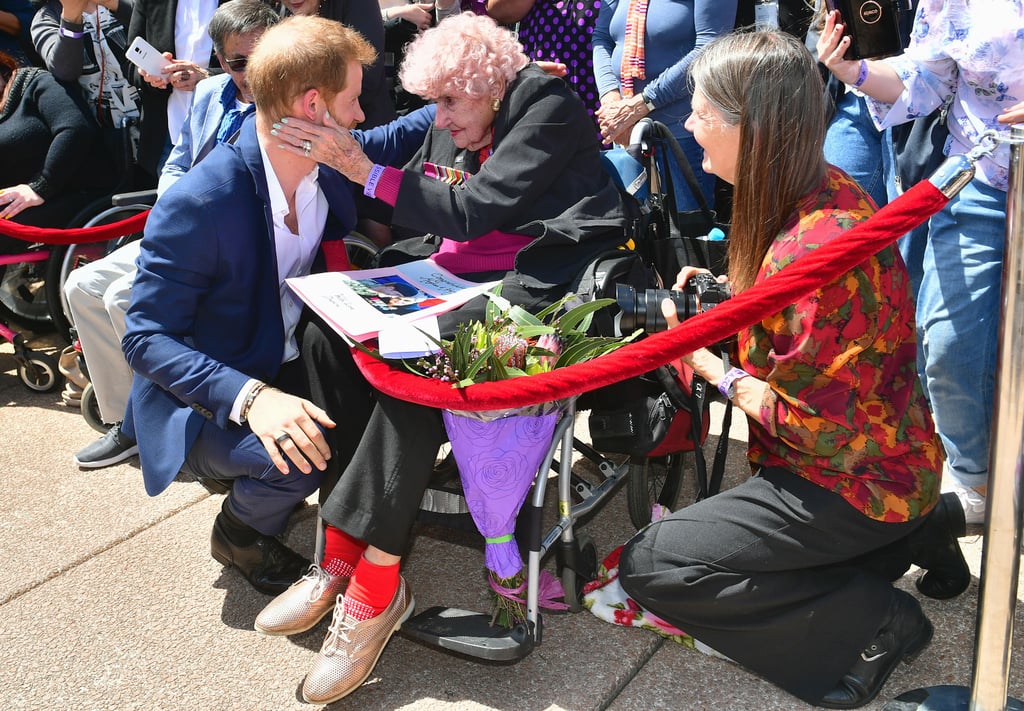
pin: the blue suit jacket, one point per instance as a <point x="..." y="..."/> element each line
<point x="205" y="314"/>
<point x="199" y="132"/>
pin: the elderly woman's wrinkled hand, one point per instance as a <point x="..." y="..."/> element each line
<point x="17" y="198"/>
<point x="617" y="118"/>
<point x="329" y="144"/>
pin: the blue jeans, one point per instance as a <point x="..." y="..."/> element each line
<point x="958" y="324"/>
<point x="854" y="144"/>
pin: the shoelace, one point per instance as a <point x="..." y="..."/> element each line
<point x="341" y="625"/>
<point x="322" y="578"/>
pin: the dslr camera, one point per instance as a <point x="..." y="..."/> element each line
<point x="872" y="25"/>
<point x="643" y="310"/>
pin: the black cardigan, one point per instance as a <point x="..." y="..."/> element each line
<point x="544" y="179"/>
<point x="49" y="143"/>
<point x="46" y="139"/>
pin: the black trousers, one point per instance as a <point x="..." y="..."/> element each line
<point x="384" y="447"/>
<point x="778" y="574"/>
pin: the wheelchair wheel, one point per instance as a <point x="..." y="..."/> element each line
<point x="65" y="258"/>
<point x="23" y="295"/>
<point x="574" y="580"/>
<point x="39" y="373"/>
<point x="656" y="480"/>
<point x="360" y="250"/>
<point x="91" y="410"/>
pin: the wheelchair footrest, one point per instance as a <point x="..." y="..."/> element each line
<point x="471" y="633"/>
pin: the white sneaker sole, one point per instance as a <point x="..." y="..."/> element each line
<point x="115" y="459"/>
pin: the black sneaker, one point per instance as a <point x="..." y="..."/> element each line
<point x="901" y="639"/>
<point x="111" y="448"/>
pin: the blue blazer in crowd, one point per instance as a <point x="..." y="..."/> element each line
<point x="205" y="314"/>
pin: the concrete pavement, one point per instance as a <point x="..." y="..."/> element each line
<point x="109" y="599"/>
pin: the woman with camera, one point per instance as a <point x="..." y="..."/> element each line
<point x="789" y="572"/>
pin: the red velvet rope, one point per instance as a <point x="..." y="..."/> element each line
<point x="810" y="272"/>
<point x="74" y="235"/>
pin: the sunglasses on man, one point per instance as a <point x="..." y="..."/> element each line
<point x="237" y="65"/>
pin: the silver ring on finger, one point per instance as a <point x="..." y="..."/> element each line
<point x="282" y="438"/>
<point x="307" y="146"/>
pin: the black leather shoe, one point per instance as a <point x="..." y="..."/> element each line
<point x="935" y="548"/>
<point x="269" y="565"/>
<point x="901" y="638"/>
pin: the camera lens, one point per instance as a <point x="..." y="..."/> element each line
<point x="643" y="311"/>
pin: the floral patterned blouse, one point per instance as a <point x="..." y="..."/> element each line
<point x="970" y="51"/>
<point x="844" y="407"/>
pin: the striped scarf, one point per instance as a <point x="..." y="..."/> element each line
<point x="633" y="51"/>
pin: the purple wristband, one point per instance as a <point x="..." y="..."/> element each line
<point x="70" y="34"/>
<point x="863" y="75"/>
<point x="370" y="190"/>
<point x="727" y="384"/>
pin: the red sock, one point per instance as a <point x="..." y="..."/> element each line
<point x="341" y="552"/>
<point x="371" y="589"/>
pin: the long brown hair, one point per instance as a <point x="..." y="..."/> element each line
<point x="766" y="83"/>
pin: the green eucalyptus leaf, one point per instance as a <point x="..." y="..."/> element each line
<point x="571" y="320"/>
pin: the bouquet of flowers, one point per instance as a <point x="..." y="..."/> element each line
<point x="498" y="452"/>
<point x="512" y="342"/>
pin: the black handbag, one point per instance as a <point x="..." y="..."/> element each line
<point x="600" y="278"/>
<point x="918" y="147"/>
<point x="683" y="238"/>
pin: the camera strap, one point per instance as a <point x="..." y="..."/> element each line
<point x="694" y="403"/>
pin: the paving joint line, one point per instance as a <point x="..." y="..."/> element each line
<point x="621" y="686"/>
<point x="99" y="551"/>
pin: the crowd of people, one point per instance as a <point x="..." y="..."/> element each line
<point x="274" y="129"/>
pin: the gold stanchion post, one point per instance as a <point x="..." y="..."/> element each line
<point x="1000" y="560"/>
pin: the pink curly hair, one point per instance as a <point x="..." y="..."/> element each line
<point x="467" y="55"/>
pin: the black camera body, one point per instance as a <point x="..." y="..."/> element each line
<point x="643" y="310"/>
<point x="872" y="25"/>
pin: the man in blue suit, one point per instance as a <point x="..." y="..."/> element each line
<point x="98" y="292"/>
<point x="211" y="329"/>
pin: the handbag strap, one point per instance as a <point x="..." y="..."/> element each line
<point x="661" y="132"/>
<point x="694" y="404"/>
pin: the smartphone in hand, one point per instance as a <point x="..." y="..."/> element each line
<point x="146" y="57"/>
<point x="872" y="25"/>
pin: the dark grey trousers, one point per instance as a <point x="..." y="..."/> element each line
<point x="778" y="574"/>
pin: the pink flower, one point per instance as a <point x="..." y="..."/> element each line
<point x="549" y="342"/>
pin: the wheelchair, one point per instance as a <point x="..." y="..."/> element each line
<point x="652" y="477"/>
<point x="30" y="280"/>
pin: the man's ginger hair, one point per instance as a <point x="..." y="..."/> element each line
<point x="302" y="53"/>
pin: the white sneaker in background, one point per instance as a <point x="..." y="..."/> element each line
<point x="973" y="503"/>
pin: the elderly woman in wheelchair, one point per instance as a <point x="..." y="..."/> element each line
<point x="509" y="179"/>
